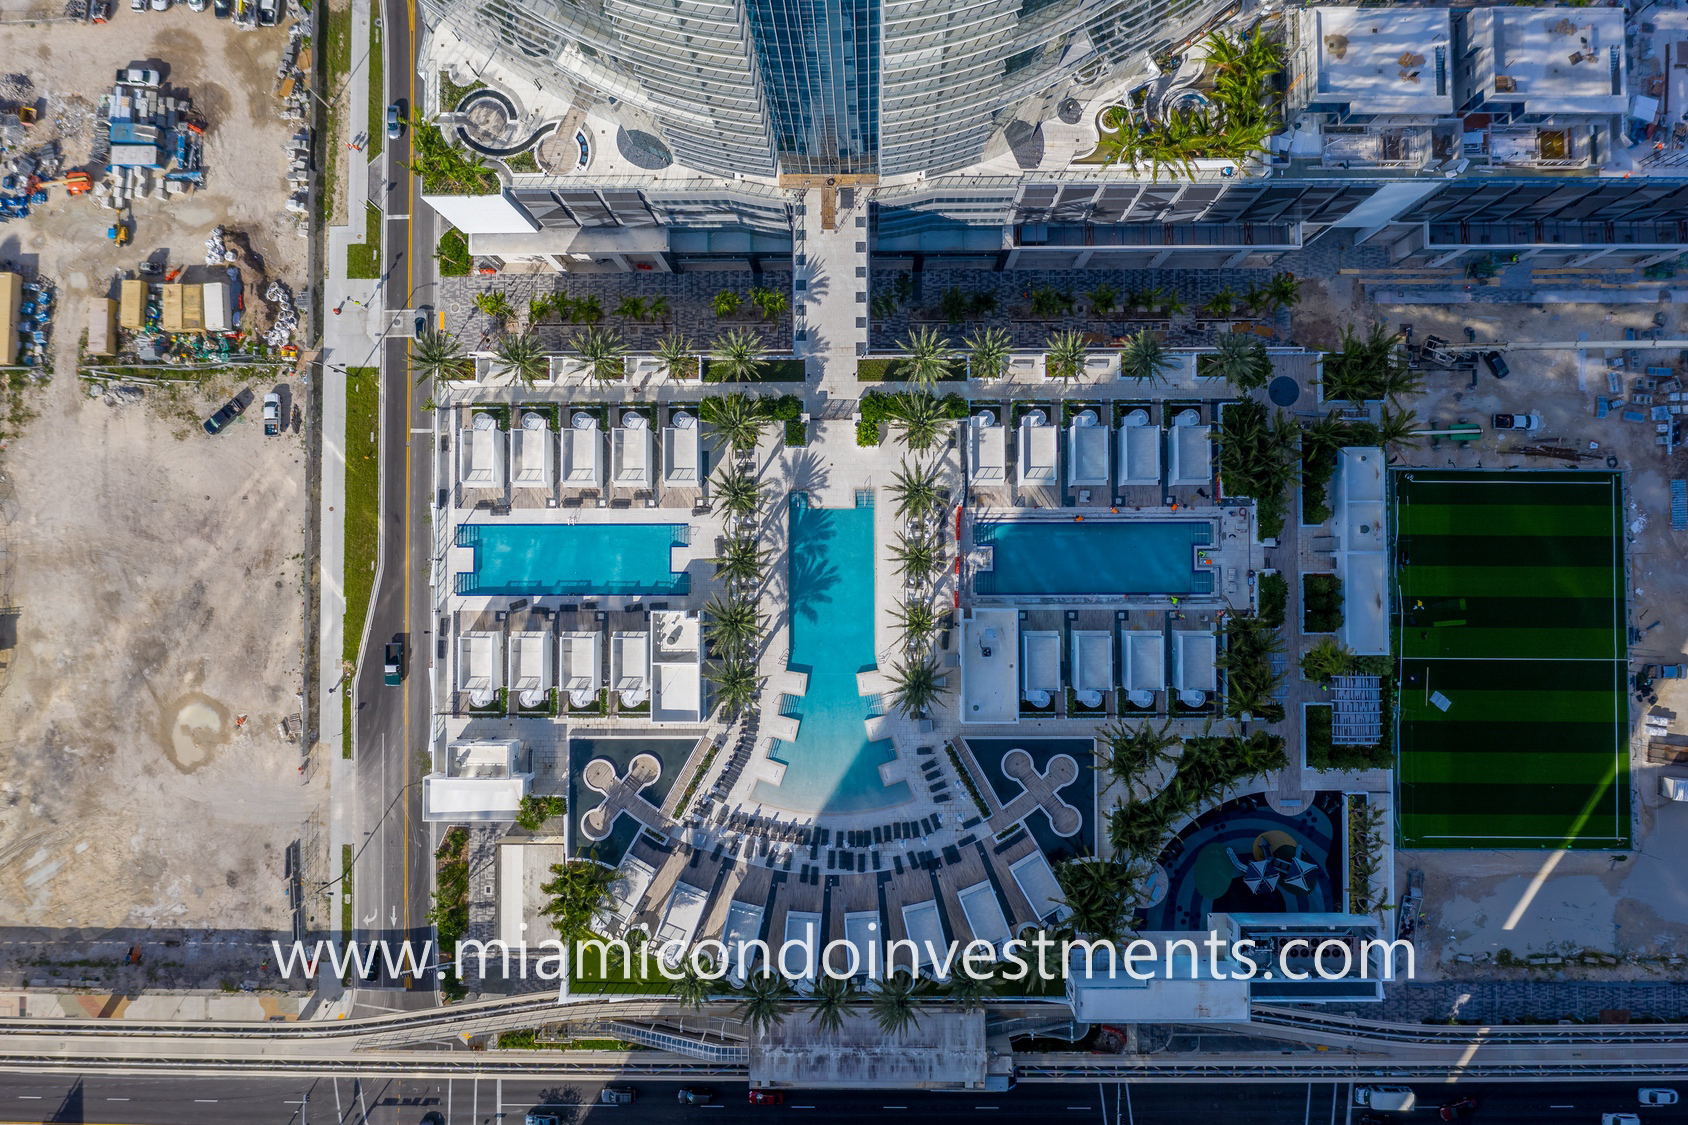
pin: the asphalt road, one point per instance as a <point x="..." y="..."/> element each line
<point x="189" y="1101"/>
<point x="392" y="879"/>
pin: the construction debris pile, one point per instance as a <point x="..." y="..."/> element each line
<point x="151" y="142"/>
<point x="216" y="253"/>
<point x="293" y="79"/>
<point x="34" y="319"/>
<point x="286" y="320"/>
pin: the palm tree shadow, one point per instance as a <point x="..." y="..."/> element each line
<point x="813" y="575"/>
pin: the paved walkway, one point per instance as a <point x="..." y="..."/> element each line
<point x="1512" y="1000"/>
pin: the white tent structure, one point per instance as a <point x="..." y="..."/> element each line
<point x="1036" y="880"/>
<point x="1087" y="451"/>
<point x="530" y="667"/>
<point x="1144" y="657"/>
<point x="532" y="453"/>
<point x="1040" y="667"/>
<point x="630" y="667"/>
<point x="583" y="452"/>
<point x="581" y="659"/>
<point x="744" y="923"/>
<point x="632" y="453"/>
<point x="925" y="929"/>
<point x="984" y="913"/>
<point x="1139" y="449"/>
<point x="1189" y="452"/>
<point x="1038" y="451"/>
<point x="480" y="453"/>
<point x="676" y="666"/>
<point x="804" y="926"/>
<point x="478" y="670"/>
<point x="987" y="449"/>
<point x="480" y="780"/>
<point x="1093" y="665"/>
<point x="682" y="455"/>
<point x="679" y="922"/>
<point x="632" y="879"/>
<point x="1194" y="655"/>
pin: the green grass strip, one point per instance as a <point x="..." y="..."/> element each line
<point x="1485" y="832"/>
<point x="362" y="521"/>
<point x="1500" y="581"/>
<point x="346" y="917"/>
<point x="1504" y="706"/>
<point x="1502" y="519"/>
<point x="1581" y="644"/>
<point x="377" y="93"/>
<point x="336" y="61"/>
<point x="364" y="262"/>
<point x="1499" y="767"/>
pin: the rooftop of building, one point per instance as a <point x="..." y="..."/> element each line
<point x="1551" y="60"/>
<point x="1376" y="61"/>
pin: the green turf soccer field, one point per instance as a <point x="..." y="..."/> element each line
<point x="1510" y="613"/>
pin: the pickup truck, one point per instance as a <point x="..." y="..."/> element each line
<point x="272" y="414"/>
<point x="1529" y="423"/>
<point x="1666" y="671"/>
<point x="392" y="663"/>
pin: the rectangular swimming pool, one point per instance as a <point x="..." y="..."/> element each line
<point x="559" y="559"/>
<point x="1042" y="557"/>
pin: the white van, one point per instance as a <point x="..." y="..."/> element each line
<point x="1385" y="1099"/>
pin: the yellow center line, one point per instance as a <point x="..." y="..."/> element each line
<point x="403" y="381"/>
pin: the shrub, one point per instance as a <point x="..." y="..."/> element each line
<point x="875" y="411"/>
<point x="1274" y="597"/>
<point x="453" y="254"/>
<point x="1321" y="603"/>
<point x="533" y="811"/>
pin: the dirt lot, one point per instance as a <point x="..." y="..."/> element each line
<point x="229" y="74"/>
<point x="158" y="570"/>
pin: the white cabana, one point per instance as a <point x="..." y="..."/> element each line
<point x="925" y="929"/>
<point x="679" y="922"/>
<point x="630" y="667"/>
<point x="1194" y="655"/>
<point x="632" y="452"/>
<point x="1036" y="880"/>
<point x="581" y="659"/>
<point x="1040" y="667"/>
<point x="804" y="926"/>
<point x="987" y="449"/>
<point x="1139" y="449"/>
<point x="861" y="931"/>
<point x="479" y="780"/>
<point x="1087" y="451"/>
<point x="744" y="924"/>
<point x="530" y="667"/>
<point x="583" y="452"/>
<point x="1093" y="665"/>
<point x="632" y="879"/>
<point x="1038" y="450"/>
<point x="676" y="666"/>
<point x="480" y="453"/>
<point x="478" y="671"/>
<point x="1189" y="452"/>
<point x="531" y="452"/>
<point x="984" y="913"/>
<point x="682" y="458"/>
<point x="1144" y="673"/>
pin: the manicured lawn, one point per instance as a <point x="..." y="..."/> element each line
<point x="453" y="255"/>
<point x="377" y="94"/>
<point x="363" y="517"/>
<point x="336" y="61"/>
<point x="1511" y="640"/>
<point x="364" y="262"/>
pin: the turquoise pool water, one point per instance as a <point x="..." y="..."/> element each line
<point x="1036" y="557"/>
<point x="832" y="767"/>
<point x="540" y="559"/>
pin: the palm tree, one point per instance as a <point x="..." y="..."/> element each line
<point x="438" y="355"/>
<point x="736" y="419"/>
<point x="725" y="303"/>
<point x="766" y="997"/>
<point x="539" y="307"/>
<point x="918" y="621"/>
<point x="1136" y="828"/>
<point x="968" y="990"/>
<point x="1240" y="359"/>
<point x="522" y="357"/>
<point x="1064" y="354"/>
<point x="1221" y="304"/>
<point x="736" y="683"/>
<point x="495" y="303"/>
<point x="602" y="349"/>
<point x="586" y="310"/>
<point x="918" y="557"/>
<point x="1284" y="290"/>
<point x="1366" y="367"/>
<point x="916" y="490"/>
<point x="1144" y="359"/>
<point x="987" y="353"/>
<point x="737" y="355"/>
<point x="832" y="1001"/>
<point x="737" y="493"/>
<point x="1320" y="440"/>
<point x="693" y="989"/>
<point x="1129" y="752"/>
<point x="674" y="353"/>
<point x="1094" y="893"/>
<point x="1397" y="428"/>
<point x="771" y="302"/>
<point x="659" y="308"/>
<point x="633" y="308"/>
<point x="916" y="684"/>
<point x="897" y="1002"/>
<point x="921" y="418"/>
<point x="1325" y="659"/>
<point x="732" y="624"/>
<point x="929" y="356"/>
<point x="1103" y="299"/>
<point x="954" y="305"/>
<point x="741" y="560"/>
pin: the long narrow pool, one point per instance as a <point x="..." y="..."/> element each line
<point x="1045" y="557"/>
<point x="559" y="559"/>
<point x="831" y="767"/>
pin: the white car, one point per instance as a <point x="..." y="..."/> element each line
<point x="139" y="76"/>
<point x="1619" y="1119"/>
<point x="1657" y="1095"/>
<point x="161" y="5"/>
<point x="1386" y="1099"/>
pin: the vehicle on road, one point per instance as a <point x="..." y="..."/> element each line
<point x="618" y="1095"/>
<point x="139" y="76"/>
<point x="1453" y="1111"/>
<point x="392" y="663"/>
<point x="1388" y="1099"/>
<point x="395" y="121"/>
<point x="766" y="1097"/>
<point x="540" y="1119"/>
<point x="1619" y="1119"/>
<point x="272" y="414"/>
<point x="696" y="1095"/>
<point x="1657" y="1095"/>
<point x="226" y="414"/>
<point x="1496" y="363"/>
<point x="1529" y="423"/>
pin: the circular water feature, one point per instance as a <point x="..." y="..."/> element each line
<point x="1283" y="391"/>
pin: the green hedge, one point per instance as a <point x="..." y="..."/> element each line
<point x="1274" y="597"/>
<point x="1321" y="603"/>
<point x="452" y="253"/>
<point x="771" y="371"/>
<point x="892" y="371"/>
<point x="364" y="262"/>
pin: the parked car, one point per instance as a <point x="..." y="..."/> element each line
<point x="1453" y="1111"/>
<point x="696" y="1095"/>
<point x="395" y="121"/>
<point x="1389" y="1099"/>
<point x="272" y="414"/>
<point x="139" y="76"/>
<point x="268" y="12"/>
<point x="540" y="1119"/>
<point x="137" y="5"/>
<point x="1666" y="672"/>
<point x="161" y="5"/>
<point x="197" y="5"/>
<point x="1657" y="1095"/>
<point x="1496" y="363"/>
<point x="1619" y="1119"/>
<point x="392" y="663"/>
<point x="618" y="1095"/>
<point x="766" y="1097"/>
<point x="1527" y="422"/>
<point x="226" y="414"/>
<point x="222" y="9"/>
